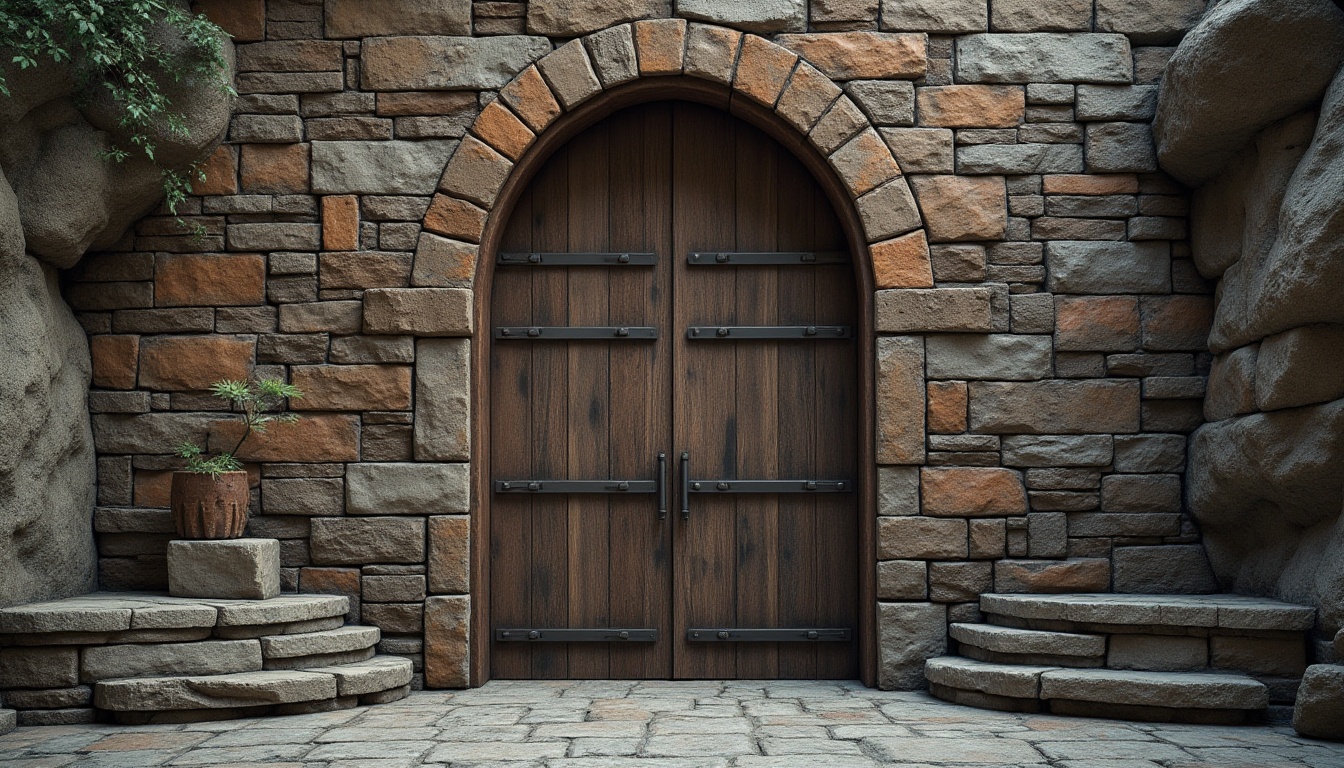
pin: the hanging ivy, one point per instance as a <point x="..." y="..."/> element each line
<point x="109" y="45"/>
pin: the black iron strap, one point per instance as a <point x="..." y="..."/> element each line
<point x="576" y="486"/>
<point x="577" y="259"/>
<point x="738" y="332"/>
<point x="800" y="634"/>
<point x="576" y="333"/>
<point x="737" y="259"/>
<point x="771" y="486"/>
<point x="596" y="635"/>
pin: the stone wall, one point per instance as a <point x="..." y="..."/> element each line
<point x="1042" y="328"/>
<point x="1267" y="472"/>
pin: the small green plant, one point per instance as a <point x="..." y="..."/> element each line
<point x="256" y="401"/>
<point x="109" y="45"/>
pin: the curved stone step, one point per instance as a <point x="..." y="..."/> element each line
<point x="1227" y="612"/>
<point x="376" y="675"/>
<point x="991" y="643"/>
<point x="342" y="640"/>
<point x="1184" y="690"/>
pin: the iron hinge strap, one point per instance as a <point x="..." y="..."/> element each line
<point x="738" y="332"/>
<point x="798" y="634"/>
<point x="576" y="486"/>
<point x="594" y="635"/>
<point x="771" y="486"/>
<point x="576" y="333"/>
<point x="577" y="259"/>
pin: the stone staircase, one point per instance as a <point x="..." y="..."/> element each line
<point x="151" y="658"/>
<point x="1179" y="658"/>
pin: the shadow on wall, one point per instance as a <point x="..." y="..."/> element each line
<point x="58" y="199"/>
<point x="1252" y="114"/>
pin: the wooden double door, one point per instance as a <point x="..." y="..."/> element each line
<point x="673" y="412"/>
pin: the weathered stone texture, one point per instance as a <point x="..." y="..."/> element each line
<point x="237" y="569"/>
<point x="908" y="634"/>
<point x="355" y="18"/>
<point x="900" y="401"/>
<point x="760" y="16"/>
<point x="406" y="489"/>
<point x="378" y="167"/>
<point x="446" y="63"/>
<point x="443" y="400"/>
<point x="570" y="18"/>
<point x="1044" y="58"/>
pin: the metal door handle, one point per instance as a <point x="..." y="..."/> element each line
<point x="662" y="486"/>
<point x="685" y="485"/>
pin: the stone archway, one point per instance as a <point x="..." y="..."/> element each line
<point x="778" y="91"/>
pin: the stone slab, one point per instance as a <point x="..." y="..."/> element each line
<point x="1188" y="690"/>
<point x="418" y="488"/>
<point x="1319" y="712"/>
<point x="1044" y="58"/>
<point x="9" y="720"/>
<point x="249" y="689"/>
<point x="1029" y="641"/>
<point x="384" y="673"/>
<point x="285" y="609"/>
<point x="1224" y="611"/>
<point x="214" y="657"/>
<point x="241" y="569"/>
<point x="379" y="167"/>
<point x="313" y="643"/>
<point x="1017" y="681"/>
<point x="446" y="63"/>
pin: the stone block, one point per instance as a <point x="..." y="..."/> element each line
<point x="1120" y="148"/>
<point x="307" y="496"/>
<point x="988" y="538"/>
<point x="1041" y="15"/>
<point x="372" y="350"/>
<point x="971" y="106"/>
<point x="1150" y="453"/>
<point x="52" y="698"/>
<point x="887" y="211"/>
<point x="946" y="17"/>
<point x="1019" y="159"/>
<point x="900" y="400"/>
<point x="762" y="70"/>
<point x="365" y="541"/>
<point x="446" y="63"/>
<point x="961" y="208"/>
<point x="352" y="387"/>
<point x="393" y="589"/>
<point x="571" y="18"/>
<point x="1319" y="711"/>
<point x="711" y="52"/>
<point x="1157" y="653"/>
<point x="441" y="262"/>
<point x="959" y="582"/>
<point x="1085" y="267"/>
<point x="863" y="163"/>
<point x="355" y="18"/>
<point x="1116" y="102"/>
<point x="372" y="676"/>
<point x="321" y="317"/>
<point x="908" y="635"/>
<point x="1097" y="324"/>
<point x="1141" y="493"/>
<point x="1002" y="357"/>
<point x="451" y="217"/>
<point x="1057" y="450"/>
<point x="921" y="150"/>
<point x="759" y="16"/>
<point x="1300" y="367"/>
<point x="612" y="52"/>
<point x="39" y="667"/>
<point x="442" y="400"/>
<point x="1154" y="689"/>
<point x="861" y="55"/>
<point x="341" y="640"/>
<point x="947" y="402"/>
<point x="156" y="694"/>
<point x="447" y="629"/>
<point x="215" y="280"/>
<point x="902" y="580"/>
<point x="317" y="438"/>
<point x="1273" y="656"/>
<point x="449" y="555"/>
<point x="476" y="172"/>
<point x="212" y="657"/>
<point x="1149" y="22"/>
<point x="1084" y="574"/>
<point x="418" y="311"/>
<point x="660" y="45"/>
<point x="1015" y="681"/>
<point x="238" y="569"/>
<point x="902" y="262"/>
<point x="532" y="100"/>
<point x="1055" y="407"/>
<point x="972" y="492"/>
<point x="379" y="167"/>
<point x="177" y="363"/>
<point x="932" y="310"/>
<point x="1010" y="640"/>
<point x="503" y="130"/>
<point x="406" y="489"/>
<point x="886" y="102"/>
<point x="922" y="538"/>
<point x="1047" y="534"/>
<point x="570" y="74"/>
<point x="1044" y="58"/>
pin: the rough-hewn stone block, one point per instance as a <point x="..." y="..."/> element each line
<point x="357" y="18"/>
<point x="406" y="489"/>
<point x="960" y="208"/>
<point x="571" y="18"/>
<point x="612" y="52"/>
<point x="972" y="492"/>
<point x="887" y="211"/>
<point x="711" y="52"/>
<point x="1044" y="58"/>
<point x="446" y="63"/>
<point x="236" y="569"/>
<point x="447" y="628"/>
<point x="1101" y="267"/>
<point x="449" y="555"/>
<point x="902" y="262"/>
<point x="1002" y="357"/>
<point x="947" y="17"/>
<point x="861" y="55"/>
<point x="379" y="167"/>
<point x="215" y="657"/>
<point x="418" y="311"/>
<point x="443" y="400"/>
<point x="352" y="387"/>
<point x="935" y="309"/>
<point x="1055" y="407"/>
<point x="366" y="541"/>
<point x="1057" y="450"/>
<point x="760" y="16"/>
<point x="1077" y="575"/>
<point x="900" y="401"/>
<point x="908" y="635"/>
<point x="762" y="69"/>
<point x="923" y="538"/>
<point x="570" y="74"/>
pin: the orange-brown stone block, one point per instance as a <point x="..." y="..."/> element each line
<point x="862" y="55"/>
<point x="947" y="407"/>
<point x="1089" y="184"/>
<point x="501" y="129"/>
<point x="660" y="45"/>
<point x="340" y="223"/>
<point x="333" y="581"/>
<point x="1097" y="324"/>
<point x="807" y="97"/>
<point x="1176" y="323"/>
<point x="153" y="489"/>
<point x="317" y="438"/>
<point x="352" y="387"/>
<point x="447" y="627"/>
<point x="221" y="173"/>
<point x="275" y="169"/>
<point x="449" y="554"/>
<point x="971" y="106"/>
<point x="972" y="492"/>
<point x="364" y="269"/>
<point x="900" y="400"/>
<point x="115" y="361"/>
<point x="902" y="262"/>
<point x="455" y="218"/>
<point x="864" y="163"/>
<point x="193" y="363"/>
<point x="1087" y="574"/>
<point x="962" y="208"/>
<point x="209" y="280"/>
<point x="531" y="98"/>
<point x="244" y="20"/>
<point x="763" y="69"/>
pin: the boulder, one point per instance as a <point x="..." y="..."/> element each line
<point x="1319" y="712"/>
<point x="1245" y="65"/>
<point x="1266" y="490"/>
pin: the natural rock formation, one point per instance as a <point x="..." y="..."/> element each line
<point x="1252" y="108"/>
<point x="58" y="199"/>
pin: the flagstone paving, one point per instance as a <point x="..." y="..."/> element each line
<point x="667" y="725"/>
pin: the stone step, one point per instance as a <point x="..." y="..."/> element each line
<point x="9" y="720"/>
<point x="1158" y="612"/>
<point x="341" y="640"/>
<point x="376" y="675"/>
<point x="991" y="643"/>
<point x="1165" y="696"/>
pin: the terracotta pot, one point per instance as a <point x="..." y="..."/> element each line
<point x="206" y="507"/>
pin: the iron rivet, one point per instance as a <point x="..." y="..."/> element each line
<point x="504" y="486"/>
<point x="722" y="486"/>
<point x="722" y="258"/>
<point x="506" y="634"/>
<point x="625" y="635"/>
<point x="723" y="635"/>
<point x="695" y="634"/>
<point x="811" y="330"/>
<point x="624" y="258"/>
<point x="695" y="331"/>
<point x="839" y="486"/>
<point x="722" y="331"/>
<point x="534" y="258"/>
<point x="506" y="332"/>
<point x="695" y="486"/>
<point x="533" y="635"/>
<point x="623" y="486"/>
<point x="534" y="332"/>
<point x="622" y="331"/>
<point x="534" y="486"/>
<point x="812" y="635"/>
<point x="811" y="486"/>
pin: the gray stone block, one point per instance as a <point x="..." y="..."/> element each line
<point x="407" y="489"/>
<point x="1116" y="102"/>
<point x="1157" y="653"/>
<point x="9" y="720"/>
<point x="886" y="102"/>
<point x="1120" y="148"/>
<point x="72" y="716"/>
<point x="248" y="689"/>
<point x="898" y="490"/>
<point x="909" y="634"/>
<point x="342" y="640"/>
<point x="1149" y="453"/>
<point x="1038" y="16"/>
<point x="307" y="496"/>
<point x="379" y="167"/>
<point x="1149" y="22"/>
<point x="1172" y="569"/>
<point x="1029" y="641"/>
<point x="570" y="18"/>
<point x="612" y="52"/>
<point x="286" y="609"/>
<point x="934" y="309"/>
<point x="447" y="63"/>
<point x="1044" y="58"/>
<point x="39" y="667"/>
<point x="1087" y="267"/>
<point x="372" y="676"/>
<point x="935" y="16"/>
<point x="1188" y="690"/>
<point x="903" y="580"/>
<point x="1054" y="407"/>
<point x="52" y="698"/>
<point x="443" y="400"/>
<point x="760" y="16"/>
<point x="1019" y="159"/>
<point x="214" y="657"/>
<point x="1319" y="712"/>
<point x="1019" y="682"/>
<point x="1141" y="493"/>
<point x="1002" y="357"/>
<point x="243" y="569"/>
<point x="363" y="541"/>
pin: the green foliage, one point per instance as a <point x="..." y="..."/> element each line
<point x="108" y="44"/>
<point x="256" y="400"/>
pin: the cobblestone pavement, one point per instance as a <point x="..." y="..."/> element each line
<point x="667" y="725"/>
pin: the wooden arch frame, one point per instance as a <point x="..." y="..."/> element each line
<point x="866" y="171"/>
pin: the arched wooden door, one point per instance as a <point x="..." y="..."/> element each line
<point x="673" y="284"/>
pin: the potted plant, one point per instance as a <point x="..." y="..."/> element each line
<point x="210" y="496"/>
